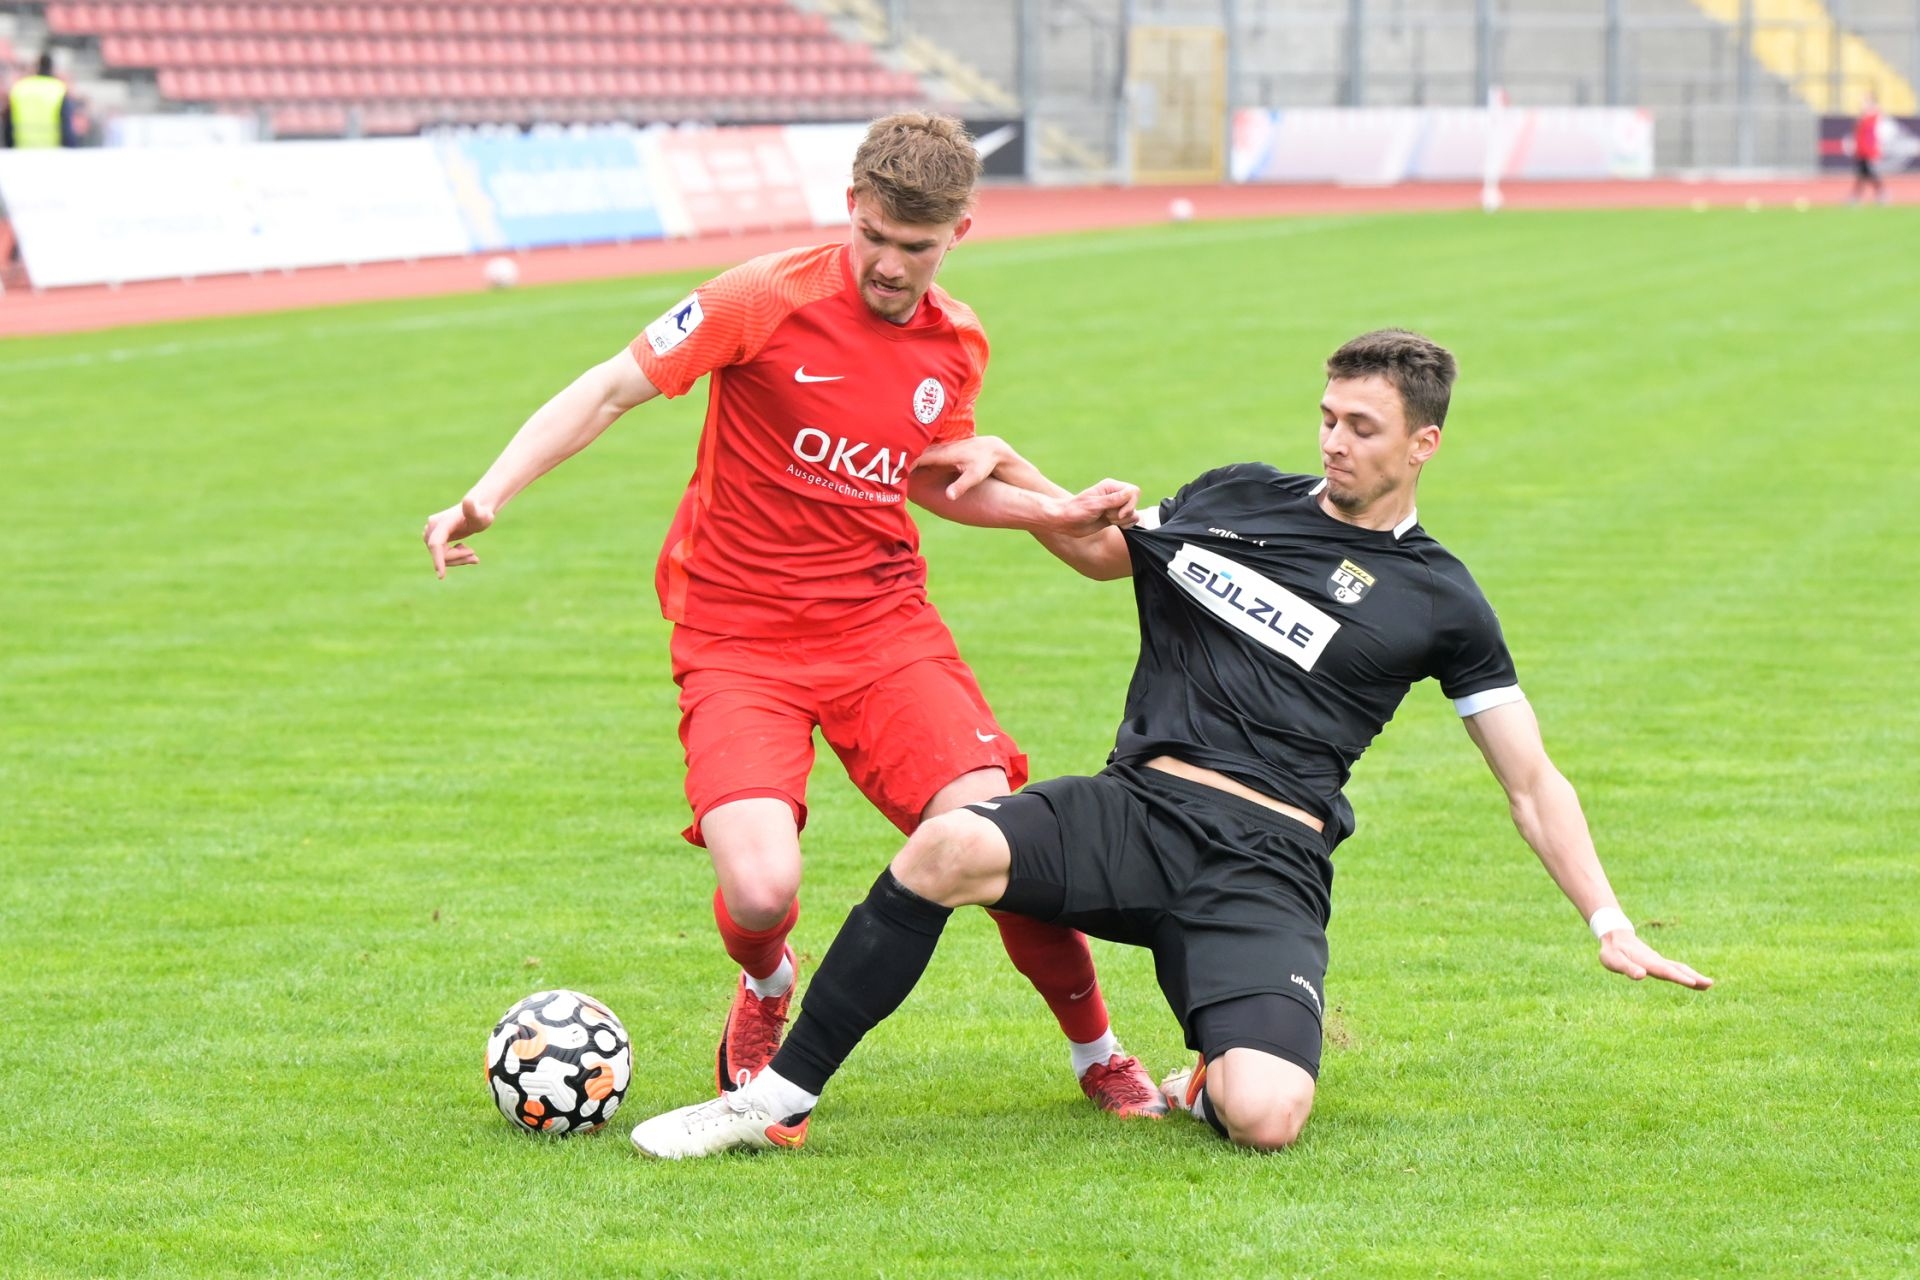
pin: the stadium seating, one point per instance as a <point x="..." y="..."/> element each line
<point x="316" y="69"/>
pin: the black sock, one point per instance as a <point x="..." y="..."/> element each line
<point x="875" y="959"/>
<point x="1212" y="1116"/>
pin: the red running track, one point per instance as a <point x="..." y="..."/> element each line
<point x="1003" y="212"/>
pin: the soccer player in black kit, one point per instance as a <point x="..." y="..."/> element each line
<point x="1282" y="619"/>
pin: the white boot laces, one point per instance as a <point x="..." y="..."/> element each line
<point x="722" y="1110"/>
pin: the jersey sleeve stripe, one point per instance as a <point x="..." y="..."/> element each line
<point x="1487" y="699"/>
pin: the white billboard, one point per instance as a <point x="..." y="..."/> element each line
<point x="111" y="215"/>
<point x="1382" y="145"/>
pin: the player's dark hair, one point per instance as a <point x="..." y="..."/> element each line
<point x="1420" y="369"/>
<point x="44" y="65"/>
<point x="919" y="167"/>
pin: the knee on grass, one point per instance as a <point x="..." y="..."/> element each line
<point x="1265" y="1118"/>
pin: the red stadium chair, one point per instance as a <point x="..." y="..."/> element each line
<point x="399" y="62"/>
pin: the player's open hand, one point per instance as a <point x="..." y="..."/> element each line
<point x="972" y="459"/>
<point x="445" y="529"/>
<point x="1624" y="952"/>
<point x="1111" y="502"/>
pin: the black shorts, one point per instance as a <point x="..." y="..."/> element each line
<point x="1231" y="898"/>
<point x="1864" y="168"/>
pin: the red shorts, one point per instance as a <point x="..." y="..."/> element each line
<point x="892" y="698"/>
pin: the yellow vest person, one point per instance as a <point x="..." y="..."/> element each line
<point x="36" y="107"/>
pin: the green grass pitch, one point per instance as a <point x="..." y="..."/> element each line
<point x="285" y="823"/>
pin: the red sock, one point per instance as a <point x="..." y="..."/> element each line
<point x="758" y="951"/>
<point x="1057" y="962"/>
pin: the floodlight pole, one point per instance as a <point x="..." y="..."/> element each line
<point x="1615" y="41"/>
<point x="1743" y="122"/>
<point x="1230" y="19"/>
<point x="1356" y="53"/>
<point x="1836" y="37"/>
<point x="1030" y="36"/>
<point x="1482" y="49"/>
<point x="1123" y="141"/>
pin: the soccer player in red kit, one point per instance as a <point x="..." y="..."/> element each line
<point x="1866" y="152"/>
<point x="842" y="382"/>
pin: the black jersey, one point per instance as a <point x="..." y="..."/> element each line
<point x="1276" y="641"/>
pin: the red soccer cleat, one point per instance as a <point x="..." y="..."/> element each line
<point x="752" y="1034"/>
<point x="1122" y="1086"/>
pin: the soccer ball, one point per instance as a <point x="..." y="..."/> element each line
<point x="559" y="1063"/>
<point x="501" y="273"/>
<point x="1180" y="209"/>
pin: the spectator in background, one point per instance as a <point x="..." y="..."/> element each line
<point x="1866" y="152"/>
<point x="39" y="114"/>
<point x="40" y="110"/>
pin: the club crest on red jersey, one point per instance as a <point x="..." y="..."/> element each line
<point x="928" y="400"/>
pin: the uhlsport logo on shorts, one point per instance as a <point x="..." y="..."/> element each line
<point x="928" y="400"/>
<point x="1299" y="981"/>
<point x="1349" y="582"/>
<point x="1262" y="610"/>
<point x="675" y="327"/>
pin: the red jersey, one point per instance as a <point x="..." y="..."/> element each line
<point x="1866" y="136"/>
<point x="795" y="521"/>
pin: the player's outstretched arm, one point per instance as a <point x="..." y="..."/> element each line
<point x="1547" y="812"/>
<point x="1102" y="555"/>
<point x="1082" y="529"/>
<point x="945" y="474"/>
<point x="962" y="464"/>
<point x="560" y="428"/>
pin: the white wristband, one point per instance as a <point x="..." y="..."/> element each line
<point x="1608" y="919"/>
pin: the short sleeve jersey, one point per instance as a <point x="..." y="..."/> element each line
<point x="1276" y="641"/>
<point x="795" y="521"/>
<point x="1866" y="136"/>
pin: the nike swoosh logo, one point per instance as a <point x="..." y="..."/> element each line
<point x="801" y="375"/>
<point x="985" y="737"/>
<point x="994" y="141"/>
<point x="1082" y="995"/>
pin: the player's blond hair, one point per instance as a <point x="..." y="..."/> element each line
<point x="919" y="167"/>
<point x="1419" y="368"/>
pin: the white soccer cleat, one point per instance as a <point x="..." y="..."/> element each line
<point x="1182" y="1088"/>
<point x="736" y="1121"/>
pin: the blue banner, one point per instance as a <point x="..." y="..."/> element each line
<point x="524" y="191"/>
